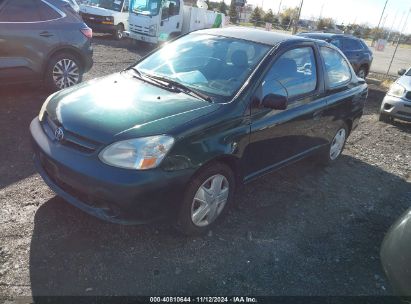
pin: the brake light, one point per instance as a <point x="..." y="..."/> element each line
<point x="88" y="32"/>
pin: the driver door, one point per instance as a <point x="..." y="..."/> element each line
<point x="278" y="137"/>
<point x="171" y="19"/>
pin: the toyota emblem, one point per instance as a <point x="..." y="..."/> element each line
<point x="59" y="134"/>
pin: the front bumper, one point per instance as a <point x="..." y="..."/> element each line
<point x="141" y="37"/>
<point x="396" y="107"/>
<point x="87" y="52"/>
<point x="112" y="194"/>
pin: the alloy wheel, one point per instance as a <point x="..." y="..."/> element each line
<point x="66" y="73"/>
<point x="210" y="200"/>
<point x="337" y="144"/>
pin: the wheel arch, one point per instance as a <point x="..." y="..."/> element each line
<point x="349" y="123"/>
<point x="229" y="160"/>
<point x="66" y="49"/>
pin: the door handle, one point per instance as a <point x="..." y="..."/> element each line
<point x="46" y="34"/>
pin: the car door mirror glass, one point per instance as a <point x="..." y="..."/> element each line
<point x="401" y="72"/>
<point x="275" y="102"/>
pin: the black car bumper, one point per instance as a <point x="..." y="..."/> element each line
<point x="109" y="193"/>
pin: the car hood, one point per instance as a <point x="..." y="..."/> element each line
<point x="95" y="10"/>
<point x="405" y="81"/>
<point x="120" y="107"/>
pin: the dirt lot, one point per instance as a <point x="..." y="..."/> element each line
<point x="304" y="230"/>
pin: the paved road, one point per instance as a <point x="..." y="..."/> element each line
<point x="305" y="230"/>
<point x="402" y="60"/>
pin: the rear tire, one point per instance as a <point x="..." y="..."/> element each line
<point x="362" y="72"/>
<point x="63" y="70"/>
<point x="334" y="149"/>
<point x="193" y="218"/>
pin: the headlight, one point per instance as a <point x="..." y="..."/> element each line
<point x="44" y="106"/>
<point x="108" y="20"/>
<point x="152" y="30"/>
<point x="396" y="90"/>
<point x="139" y="153"/>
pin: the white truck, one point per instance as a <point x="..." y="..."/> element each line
<point x="106" y="16"/>
<point x="155" y="21"/>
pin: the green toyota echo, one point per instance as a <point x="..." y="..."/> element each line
<point x="176" y="133"/>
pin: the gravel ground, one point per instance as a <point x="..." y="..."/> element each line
<point x="304" y="230"/>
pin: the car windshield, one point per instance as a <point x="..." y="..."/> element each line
<point x="146" y="7"/>
<point x="408" y="73"/>
<point x="115" y="5"/>
<point x="214" y="65"/>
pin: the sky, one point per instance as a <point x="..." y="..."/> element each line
<point x="348" y="11"/>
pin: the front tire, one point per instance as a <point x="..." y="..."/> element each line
<point x="335" y="148"/>
<point x="207" y="199"/>
<point x="63" y="70"/>
<point x="385" y="118"/>
<point x="118" y="34"/>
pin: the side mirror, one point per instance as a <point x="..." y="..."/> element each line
<point x="401" y="72"/>
<point x="275" y="102"/>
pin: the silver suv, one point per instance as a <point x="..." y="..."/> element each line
<point x="397" y="102"/>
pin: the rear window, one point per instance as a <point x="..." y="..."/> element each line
<point x="46" y="12"/>
<point x="352" y="45"/>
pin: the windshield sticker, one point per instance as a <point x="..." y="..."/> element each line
<point x="118" y="2"/>
<point x="153" y="5"/>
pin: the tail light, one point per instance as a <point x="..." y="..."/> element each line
<point x="88" y="32"/>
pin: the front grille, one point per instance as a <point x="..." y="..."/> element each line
<point x="71" y="140"/>
<point x="90" y="18"/>
<point x="408" y="95"/>
<point x="138" y="29"/>
<point x="404" y="113"/>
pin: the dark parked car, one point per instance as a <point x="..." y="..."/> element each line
<point x="176" y="133"/>
<point x="43" y="40"/>
<point x="356" y="50"/>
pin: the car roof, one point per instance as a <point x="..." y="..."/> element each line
<point x="251" y="34"/>
<point x="318" y="35"/>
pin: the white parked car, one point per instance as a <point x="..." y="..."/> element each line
<point x="397" y="102"/>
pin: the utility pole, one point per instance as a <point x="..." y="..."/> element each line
<point x="398" y="41"/>
<point x="392" y="26"/>
<point x="379" y="23"/>
<point x="279" y="7"/>
<point x="295" y="28"/>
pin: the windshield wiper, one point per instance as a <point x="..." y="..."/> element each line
<point x="147" y="78"/>
<point x="181" y="87"/>
<point x="137" y="71"/>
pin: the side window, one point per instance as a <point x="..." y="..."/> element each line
<point x="337" y="68"/>
<point x="20" y="11"/>
<point x="352" y="45"/>
<point x="295" y="71"/>
<point x="126" y="6"/>
<point x="170" y="8"/>
<point x="47" y="13"/>
<point x="337" y="43"/>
